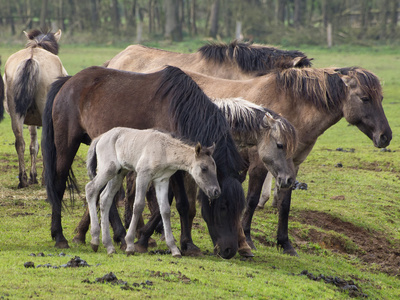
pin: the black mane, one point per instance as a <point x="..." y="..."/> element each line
<point x="46" y="41"/>
<point x="253" y="58"/>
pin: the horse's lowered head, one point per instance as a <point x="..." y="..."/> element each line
<point x="277" y="147"/>
<point x="363" y="107"/>
<point x="204" y="171"/>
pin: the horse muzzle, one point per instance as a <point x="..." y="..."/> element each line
<point x="382" y="140"/>
<point x="214" y="193"/>
<point x="285" y="182"/>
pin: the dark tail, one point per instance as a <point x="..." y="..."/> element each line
<point x="91" y="161"/>
<point x="1" y="99"/>
<point x="27" y="77"/>
<point x="48" y="146"/>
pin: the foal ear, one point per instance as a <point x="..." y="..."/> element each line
<point x="346" y="79"/>
<point x="268" y="120"/>
<point x="57" y="35"/>
<point x="26" y="34"/>
<point x="210" y="150"/>
<point x="197" y="149"/>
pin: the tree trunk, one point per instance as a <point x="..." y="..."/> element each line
<point x="214" y="19"/>
<point x="43" y="15"/>
<point x="173" y="28"/>
<point x="94" y="15"/>
<point x="280" y="12"/>
<point x="193" y="17"/>
<point x="139" y="21"/>
<point x="298" y="14"/>
<point x="115" y="16"/>
<point x="394" y="17"/>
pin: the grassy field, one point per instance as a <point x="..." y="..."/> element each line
<point x="346" y="225"/>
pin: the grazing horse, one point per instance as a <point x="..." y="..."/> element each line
<point x="155" y="156"/>
<point x="252" y="126"/>
<point x="82" y="107"/>
<point x="233" y="61"/>
<point x="27" y="76"/>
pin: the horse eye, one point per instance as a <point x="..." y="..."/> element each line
<point x="364" y="99"/>
<point x="204" y="168"/>
<point x="280" y="146"/>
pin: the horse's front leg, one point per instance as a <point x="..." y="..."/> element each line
<point x="161" y="188"/>
<point x="34" y="150"/>
<point x="257" y="174"/>
<point x="285" y="197"/>
<point x="92" y="192"/>
<point x="17" y="127"/>
<point x="182" y="204"/>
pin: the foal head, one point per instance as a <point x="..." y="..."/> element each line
<point x="204" y="171"/>
<point x="47" y="41"/>
<point x="363" y="107"/>
<point x="276" y="146"/>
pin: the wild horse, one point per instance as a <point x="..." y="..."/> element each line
<point x="155" y="156"/>
<point x="82" y="107"/>
<point x="236" y="60"/>
<point x="27" y="76"/>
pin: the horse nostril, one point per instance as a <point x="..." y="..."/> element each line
<point x="290" y="181"/>
<point x="228" y="253"/>
<point x="383" y="138"/>
<point x="217" y="192"/>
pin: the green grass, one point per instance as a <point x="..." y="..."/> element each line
<point x="368" y="180"/>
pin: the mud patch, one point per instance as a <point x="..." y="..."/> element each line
<point x="371" y="247"/>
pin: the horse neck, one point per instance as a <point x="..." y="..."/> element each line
<point x="179" y="156"/>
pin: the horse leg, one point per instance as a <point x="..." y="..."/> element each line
<point x="266" y="191"/>
<point x="191" y="190"/>
<point x="138" y="207"/>
<point x="107" y="200"/>
<point x="257" y="174"/>
<point x="92" y="192"/>
<point x="182" y="204"/>
<point x="283" y="238"/>
<point x="161" y="188"/>
<point x="33" y="149"/>
<point x="17" y="127"/>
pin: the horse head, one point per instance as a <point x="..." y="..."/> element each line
<point x="48" y="41"/>
<point x="204" y="171"/>
<point x="363" y="107"/>
<point x="276" y="147"/>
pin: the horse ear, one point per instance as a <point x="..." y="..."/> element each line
<point x="197" y="149"/>
<point x="26" y="34"/>
<point x="210" y="150"/>
<point x="346" y="79"/>
<point x="57" y="35"/>
<point x="268" y="120"/>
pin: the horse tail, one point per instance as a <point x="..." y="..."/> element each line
<point x="25" y="85"/>
<point x="91" y="161"/>
<point x="48" y="144"/>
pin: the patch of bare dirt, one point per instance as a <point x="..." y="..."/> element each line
<point x="373" y="247"/>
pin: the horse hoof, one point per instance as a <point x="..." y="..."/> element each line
<point x="62" y="245"/>
<point x="123" y="245"/>
<point x="94" y="247"/>
<point x="192" y="251"/>
<point x="152" y="243"/>
<point x="129" y="253"/>
<point x="140" y="248"/>
<point x="79" y="240"/>
<point x="290" y="252"/>
<point x="22" y="185"/>
<point x="178" y="255"/>
<point x="245" y="253"/>
<point x="111" y="252"/>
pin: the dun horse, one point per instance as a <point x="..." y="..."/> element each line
<point x="154" y="156"/>
<point x="82" y="107"/>
<point x="236" y="60"/>
<point x="273" y="138"/>
<point x="27" y="77"/>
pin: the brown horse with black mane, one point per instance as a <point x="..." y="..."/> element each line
<point x="93" y="101"/>
<point x="236" y="60"/>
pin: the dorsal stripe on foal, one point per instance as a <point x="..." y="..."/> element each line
<point x="45" y="41"/>
<point x="367" y="81"/>
<point x="247" y="118"/>
<point x="322" y="87"/>
<point x="251" y="57"/>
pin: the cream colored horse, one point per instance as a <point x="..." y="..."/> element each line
<point x="155" y="156"/>
<point x="27" y="77"/>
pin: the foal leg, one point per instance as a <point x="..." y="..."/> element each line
<point x="17" y="124"/>
<point x="34" y="150"/>
<point x="142" y="183"/>
<point x="106" y="201"/>
<point x="266" y="191"/>
<point x="165" y="210"/>
<point x="92" y="192"/>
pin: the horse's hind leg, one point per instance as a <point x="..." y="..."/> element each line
<point x="266" y="191"/>
<point x="34" y="150"/>
<point x="17" y="127"/>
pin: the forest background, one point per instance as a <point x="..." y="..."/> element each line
<point x="279" y="22"/>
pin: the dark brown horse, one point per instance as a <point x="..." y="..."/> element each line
<point x="81" y="107"/>
<point x="236" y="60"/>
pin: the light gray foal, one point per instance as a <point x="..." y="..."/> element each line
<point x="154" y="156"/>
